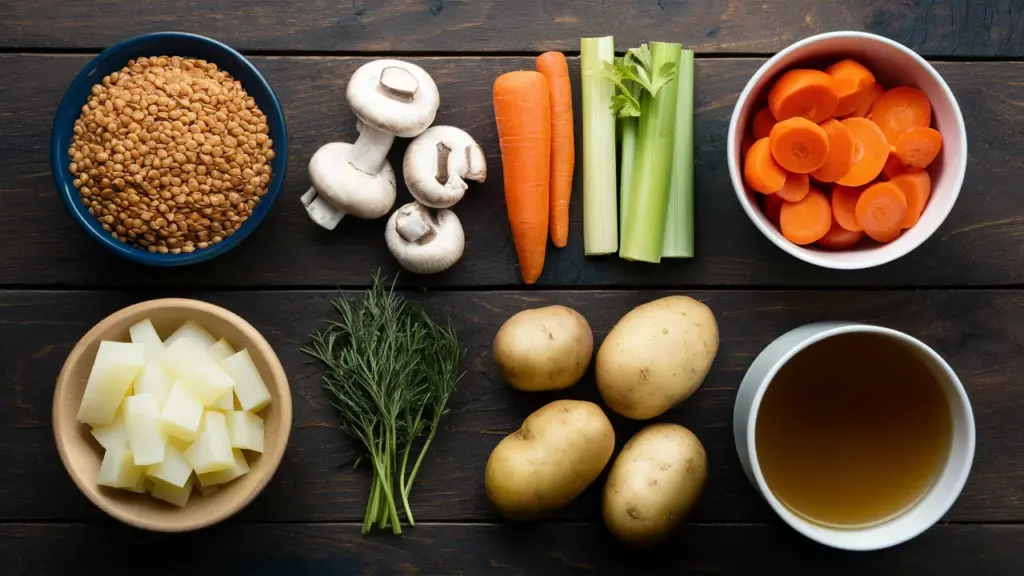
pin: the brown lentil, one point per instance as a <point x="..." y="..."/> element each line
<point x="176" y="137"/>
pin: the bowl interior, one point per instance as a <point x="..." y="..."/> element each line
<point x="82" y="454"/>
<point x="165" y="44"/>
<point x="893" y="65"/>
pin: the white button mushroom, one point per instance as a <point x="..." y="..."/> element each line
<point x="390" y="98"/>
<point x="437" y="164"/>
<point x="425" y="241"/>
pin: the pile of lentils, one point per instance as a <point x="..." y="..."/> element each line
<point x="171" y="154"/>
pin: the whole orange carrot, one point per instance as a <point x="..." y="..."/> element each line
<point x="522" y="110"/>
<point x="563" y="151"/>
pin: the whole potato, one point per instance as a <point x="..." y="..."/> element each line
<point x="653" y="484"/>
<point x="544" y="349"/>
<point x="656" y="356"/>
<point x="559" y="451"/>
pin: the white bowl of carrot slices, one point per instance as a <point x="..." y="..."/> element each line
<point x="847" y="150"/>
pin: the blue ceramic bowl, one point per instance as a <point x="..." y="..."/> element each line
<point x="164" y="44"/>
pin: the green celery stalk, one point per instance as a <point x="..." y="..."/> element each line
<point x="652" y="166"/>
<point x="600" y="217"/>
<point x="627" y="151"/>
<point x="679" y="217"/>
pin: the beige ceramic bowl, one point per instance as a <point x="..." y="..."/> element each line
<point x="82" y="454"/>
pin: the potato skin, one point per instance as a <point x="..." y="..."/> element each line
<point x="554" y="456"/>
<point x="656" y="356"/>
<point x="545" y="348"/>
<point x="653" y="484"/>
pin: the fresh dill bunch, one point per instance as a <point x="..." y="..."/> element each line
<point x="390" y="372"/>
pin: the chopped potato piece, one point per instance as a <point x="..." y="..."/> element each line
<point x="153" y="379"/>
<point x="173" y="470"/>
<point x="141" y="485"/>
<point x="173" y="494"/>
<point x="211" y="452"/>
<point x="221" y="350"/>
<point x="192" y="330"/>
<point x="118" y="469"/>
<point x="144" y="333"/>
<point x="225" y="403"/>
<point x="245" y="430"/>
<point x="250" y="390"/>
<point x="146" y="437"/>
<point x="204" y="377"/>
<point x="113" y="435"/>
<point x="238" y="468"/>
<point x="207" y="490"/>
<point x="182" y="414"/>
<point x="179" y="444"/>
<point x="112" y="373"/>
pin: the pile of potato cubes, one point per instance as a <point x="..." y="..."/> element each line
<point x="171" y="412"/>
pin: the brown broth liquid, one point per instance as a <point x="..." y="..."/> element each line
<point x="852" y="431"/>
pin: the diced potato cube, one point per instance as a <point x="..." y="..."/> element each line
<point x="153" y="379"/>
<point x="118" y="469"/>
<point x="146" y="437"/>
<point x="173" y="470"/>
<point x="182" y="413"/>
<point x="113" y="435"/>
<point x="221" y="350"/>
<point x="140" y="486"/>
<point x="204" y="377"/>
<point x="211" y="452"/>
<point x="225" y="403"/>
<point x="173" y="494"/>
<point x="250" y="390"/>
<point x="192" y="330"/>
<point x="179" y="444"/>
<point x="112" y="373"/>
<point x="245" y="430"/>
<point x="238" y="468"/>
<point x="144" y="333"/>
<point x="207" y="490"/>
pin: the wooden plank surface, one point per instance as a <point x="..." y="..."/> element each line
<point x="470" y="549"/>
<point x="980" y="333"/>
<point x="40" y="245"/>
<point x="932" y="27"/>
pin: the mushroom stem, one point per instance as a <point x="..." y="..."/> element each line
<point x="320" y="211"/>
<point x="414" y="223"/>
<point x="370" y="150"/>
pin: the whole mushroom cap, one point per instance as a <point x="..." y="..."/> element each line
<point x="393" y="96"/>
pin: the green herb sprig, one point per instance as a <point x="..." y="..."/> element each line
<point x="632" y="75"/>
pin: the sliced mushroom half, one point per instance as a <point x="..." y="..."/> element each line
<point x="437" y="164"/>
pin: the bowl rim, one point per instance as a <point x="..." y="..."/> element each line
<point x="273" y="458"/>
<point x="69" y="197"/>
<point x="820" y="258"/>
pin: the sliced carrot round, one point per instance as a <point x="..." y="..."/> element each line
<point x="853" y="83"/>
<point x="799" y="145"/>
<point x="839" y="238"/>
<point x="803" y="93"/>
<point x="917" y="147"/>
<point x="893" y="167"/>
<point x="772" y="207"/>
<point x="867" y="100"/>
<point x="760" y="169"/>
<point x="917" y="187"/>
<point x="840" y="152"/>
<point x="796" y="187"/>
<point x="806" y="221"/>
<point x="763" y="123"/>
<point x="844" y="207"/>
<point x="900" y="109"/>
<point x="870" y="151"/>
<point x="881" y="211"/>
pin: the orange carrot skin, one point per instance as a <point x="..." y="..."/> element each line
<point x="839" y="238"/>
<point x="522" y="111"/>
<point x="917" y="187"/>
<point x="563" y="150"/>
<point x="760" y="170"/>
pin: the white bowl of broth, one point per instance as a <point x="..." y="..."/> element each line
<point x="859" y="437"/>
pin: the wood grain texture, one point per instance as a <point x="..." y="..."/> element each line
<point x="980" y="333"/>
<point x="473" y="549"/>
<point x="40" y="244"/>
<point x="932" y="27"/>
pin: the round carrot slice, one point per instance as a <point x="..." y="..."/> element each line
<point x="844" y="207"/>
<point x="870" y="151"/>
<point x="839" y="238"/>
<point x="893" y="167"/>
<point x="853" y="83"/>
<point x="917" y="147"/>
<point x="763" y="123"/>
<point x="917" y="187"/>
<point x="799" y="145"/>
<point x="760" y="169"/>
<point x="806" y="221"/>
<point x="803" y="93"/>
<point x="900" y="109"/>
<point x="881" y="211"/>
<point x="796" y="187"/>
<point x="840" y="152"/>
<point x="867" y="100"/>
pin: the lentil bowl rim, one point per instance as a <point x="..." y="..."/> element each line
<point x="169" y="43"/>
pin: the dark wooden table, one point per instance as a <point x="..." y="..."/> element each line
<point x="961" y="292"/>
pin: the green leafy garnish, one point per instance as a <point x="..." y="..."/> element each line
<point x="632" y="75"/>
